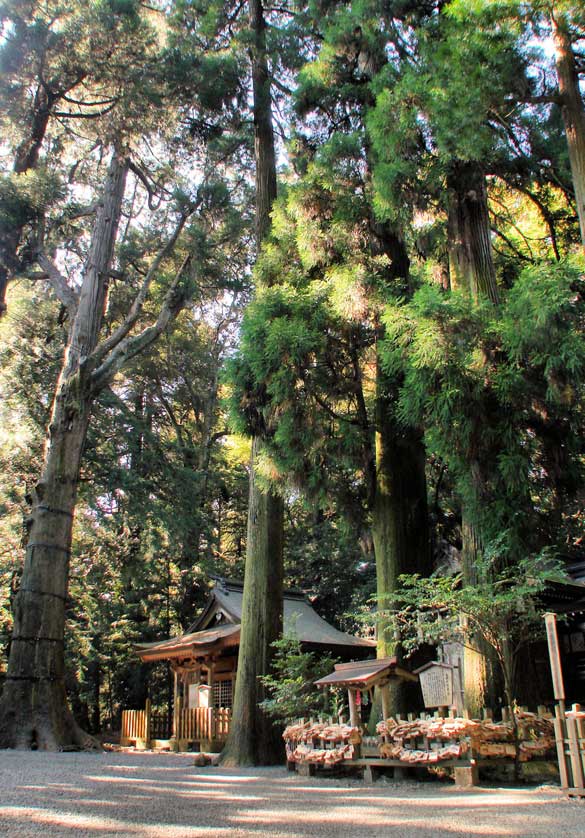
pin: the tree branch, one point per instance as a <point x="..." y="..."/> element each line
<point x="109" y="344"/>
<point x="131" y="346"/>
<point x="63" y="291"/>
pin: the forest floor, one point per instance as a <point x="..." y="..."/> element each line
<point x="146" y="795"/>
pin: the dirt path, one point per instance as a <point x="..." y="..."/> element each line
<point x="146" y="795"/>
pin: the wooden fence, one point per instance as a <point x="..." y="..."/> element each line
<point x="134" y="726"/>
<point x="192" y="725"/>
<point x="570" y="738"/>
<point x="203" y="723"/>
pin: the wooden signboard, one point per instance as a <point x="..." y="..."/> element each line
<point x="436" y="681"/>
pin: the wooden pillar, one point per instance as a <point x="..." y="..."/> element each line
<point x="554" y="655"/>
<point x="176" y="703"/>
<point x="385" y="695"/>
<point x="147" y="722"/>
<point x="353" y="708"/>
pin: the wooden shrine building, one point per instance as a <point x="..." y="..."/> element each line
<point x="205" y="659"/>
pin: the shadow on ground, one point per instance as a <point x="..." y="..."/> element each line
<point x="165" y="796"/>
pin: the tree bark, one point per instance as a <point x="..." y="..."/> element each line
<point x="572" y="109"/>
<point x="33" y="708"/>
<point x="253" y="739"/>
<point x="400" y="516"/>
<point x="475" y="659"/>
<point x="471" y="264"/>
<point x="472" y="270"/>
<point x="400" y="526"/>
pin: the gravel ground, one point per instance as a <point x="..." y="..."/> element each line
<point x="146" y="795"/>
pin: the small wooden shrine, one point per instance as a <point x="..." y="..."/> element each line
<point x="360" y="676"/>
<point x="204" y="659"/>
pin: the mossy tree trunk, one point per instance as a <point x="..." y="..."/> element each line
<point x="253" y="739"/>
<point x="400" y="526"/>
<point x="476" y="658"/>
<point x="472" y="270"/>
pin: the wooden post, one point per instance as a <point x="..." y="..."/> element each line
<point x="175" y="703"/>
<point x="147" y="723"/>
<point x="385" y="694"/>
<point x="560" y="727"/>
<point x="554" y="654"/>
<point x="576" y="763"/>
<point x="179" y="715"/>
<point x="353" y="710"/>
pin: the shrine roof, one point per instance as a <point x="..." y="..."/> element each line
<point x="219" y="626"/>
<point x="365" y="674"/>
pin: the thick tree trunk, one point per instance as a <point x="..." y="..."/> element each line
<point x="471" y="264"/>
<point x="475" y="659"/>
<point x="472" y="270"/>
<point x="400" y="526"/>
<point x="33" y="707"/>
<point x="400" y="516"/>
<point x="253" y="738"/>
<point x="573" y="111"/>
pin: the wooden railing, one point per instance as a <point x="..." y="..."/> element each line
<point x="161" y="725"/>
<point x="191" y="725"/>
<point x="203" y="723"/>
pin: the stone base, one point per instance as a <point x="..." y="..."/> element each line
<point x="466" y="776"/>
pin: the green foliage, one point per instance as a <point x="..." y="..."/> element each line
<point x="497" y="388"/>
<point x="503" y="610"/>
<point x="25" y="197"/>
<point x="290" y="686"/>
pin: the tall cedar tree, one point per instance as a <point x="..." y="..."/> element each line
<point x="353" y="55"/>
<point x="253" y="739"/>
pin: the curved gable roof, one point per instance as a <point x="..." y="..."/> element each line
<point x="219" y="626"/>
<point x="300" y="619"/>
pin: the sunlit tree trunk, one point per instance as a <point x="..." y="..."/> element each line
<point x="471" y="263"/>
<point x="475" y="659"/>
<point x="573" y="111"/>
<point x="33" y="707"/>
<point x="253" y="737"/>
<point x="400" y="517"/>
